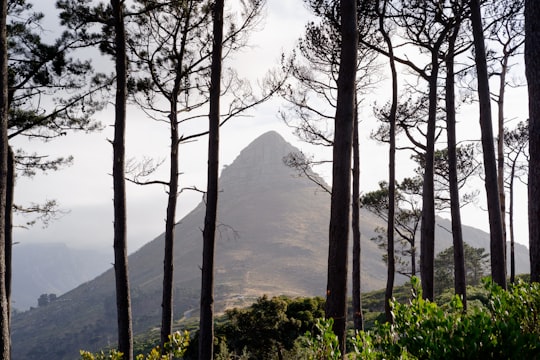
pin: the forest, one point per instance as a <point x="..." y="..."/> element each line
<point x="167" y="59"/>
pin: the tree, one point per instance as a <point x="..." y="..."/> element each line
<point x="5" y="342"/>
<point x="206" y="330"/>
<point x="50" y="93"/>
<point x="476" y="265"/>
<point x="172" y="58"/>
<point x="390" y="255"/>
<point x="516" y="143"/>
<point x="336" y="290"/>
<point x="506" y="31"/>
<point x="406" y="221"/>
<point x="311" y="95"/>
<point x="497" y="246"/>
<point x="358" y="318"/>
<point x="123" y="298"/>
<point x="280" y="322"/>
<point x="425" y="25"/>
<point x="532" y="71"/>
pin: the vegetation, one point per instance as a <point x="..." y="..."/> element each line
<point x="499" y="325"/>
<point x="503" y="327"/>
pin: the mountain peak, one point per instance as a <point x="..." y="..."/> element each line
<point x="268" y="147"/>
<point x="261" y="162"/>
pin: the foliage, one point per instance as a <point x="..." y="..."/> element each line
<point x="324" y="344"/>
<point x="476" y="265"/>
<point x="407" y="220"/>
<point x="267" y="329"/>
<point x="504" y="329"/>
<point x="175" y="349"/>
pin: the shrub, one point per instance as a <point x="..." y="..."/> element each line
<point x="175" y="348"/>
<point x="505" y="328"/>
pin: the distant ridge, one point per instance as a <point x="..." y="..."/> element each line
<point x="272" y="239"/>
<point x="49" y="268"/>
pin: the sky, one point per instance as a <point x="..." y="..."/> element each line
<point x="84" y="190"/>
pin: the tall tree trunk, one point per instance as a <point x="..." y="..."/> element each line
<point x="123" y="299"/>
<point x="10" y="190"/>
<point x="457" y="234"/>
<point x="5" y="345"/>
<point x="170" y="222"/>
<point x="532" y="71"/>
<point x="358" y="318"/>
<point x="511" y="220"/>
<point x="168" y="259"/>
<point x="427" y="227"/>
<point x="390" y="225"/>
<point x="336" y="290"/>
<point x="500" y="144"/>
<point x="498" y="268"/>
<point x="206" y="338"/>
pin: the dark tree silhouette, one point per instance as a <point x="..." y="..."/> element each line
<point x="516" y="143"/>
<point x="123" y="298"/>
<point x="5" y="342"/>
<point x="532" y="71"/>
<point x="391" y="116"/>
<point x="460" y="285"/>
<point x="336" y="290"/>
<point x="497" y="246"/>
<point x="206" y="330"/>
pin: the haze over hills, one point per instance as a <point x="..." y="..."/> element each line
<point x="272" y="239"/>
<point x="52" y="268"/>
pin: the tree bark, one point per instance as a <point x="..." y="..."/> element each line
<point x="532" y="71"/>
<point x="390" y="225"/>
<point x="10" y="191"/>
<point x="511" y="220"/>
<point x="206" y="338"/>
<point x="457" y="234"/>
<point x="498" y="268"/>
<point x="5" y="341"/>
<point x="500" y="143"/>
<point x="168" y="258"/>
<point x="358" y="318"/>
<point x="167" y="313"/>
<point x="427" y="226"/>
<point x="123" y="299"/>
<point x="336" y="290"/>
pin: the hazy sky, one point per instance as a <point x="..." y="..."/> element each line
<point x="84" y="190"/>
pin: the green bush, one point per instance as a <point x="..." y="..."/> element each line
<point x="505" y="328"/>
<point x="175" y="349"/>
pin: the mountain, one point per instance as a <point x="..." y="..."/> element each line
<point x="52" y="268"/>
<point x="272" y="239"/>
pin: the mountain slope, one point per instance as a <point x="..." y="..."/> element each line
<point x="272" y="240"/>
<point x="52" y="269"/>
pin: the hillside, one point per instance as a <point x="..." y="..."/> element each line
<point x="52" y="269"/>
<point x="272" y="240"/>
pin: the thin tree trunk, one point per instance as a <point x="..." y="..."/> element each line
<point x="390" y="225"/>
<point x="336" y="290"/>
<point x="10" y="190"/>
<point x="206" y="338"/>
<point x="123" y="300"/>
<point x="498" y="268"/>
<point x="511" y="219"/>
<point x="358" y="318"/>
<point x="457" y="234"/>
<point x="168" y="259"/>
<point x="170" y="222"/>
<point x="500" y="144"/>
<point x="5" y="345"/>
<point x="532" y="71"/>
